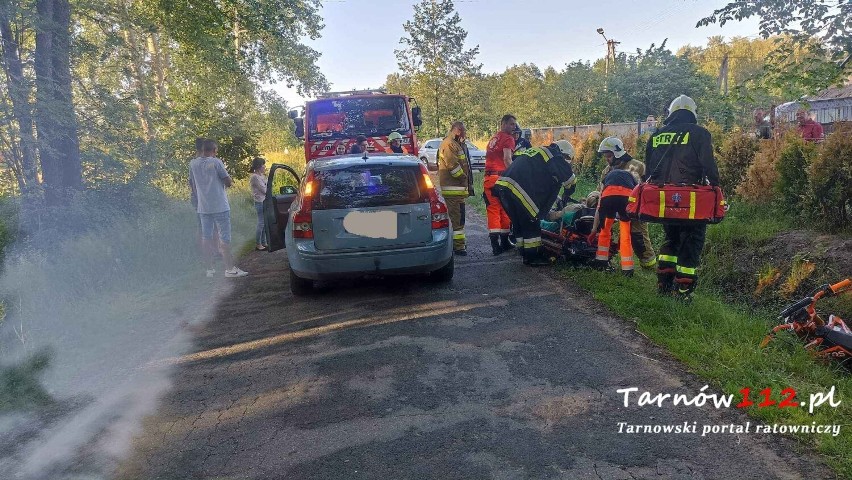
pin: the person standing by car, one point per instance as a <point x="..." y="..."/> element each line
<point x="209" y="178"/>
<point x="456" y="181"/>
<point x="498" y="157"/>
<point x="258" y="192"/>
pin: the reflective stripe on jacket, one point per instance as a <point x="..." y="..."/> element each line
<point x="454" y="175"/>
<point x="534" y="178"/>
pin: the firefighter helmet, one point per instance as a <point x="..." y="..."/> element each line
<point x="683" y="103"/>
<point x="566" y="148"/>
<point x="394" y="136"/>
<point x="614" y="145"/>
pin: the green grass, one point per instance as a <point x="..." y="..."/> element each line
<point x="720" y="342"/>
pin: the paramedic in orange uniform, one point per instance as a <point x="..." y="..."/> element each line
<point x="498" y="157"/>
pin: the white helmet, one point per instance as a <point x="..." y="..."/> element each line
<point x="614" y="145"/>
<point x="566" y="148"/>
<point x="683" y="103"/>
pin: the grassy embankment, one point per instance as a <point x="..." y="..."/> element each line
<point x="718" y="335"/>
<point x="112" y="274"/>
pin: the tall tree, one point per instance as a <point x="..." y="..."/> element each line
<point x="434" y="58"/>
<point x="814" y="37"/>
<point x="56" y="123"/>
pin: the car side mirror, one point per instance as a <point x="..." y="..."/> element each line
<point x="300" y="127"/>
<point x="416" y="117"/>
<point x="288" y="190"/>
<point x="293" y="114"/>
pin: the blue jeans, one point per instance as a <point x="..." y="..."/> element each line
<point x="260" y="232"/>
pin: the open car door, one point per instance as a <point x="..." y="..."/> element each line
<point x="282" y="189"/>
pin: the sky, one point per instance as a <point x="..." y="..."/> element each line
<point x="360" y="36"/>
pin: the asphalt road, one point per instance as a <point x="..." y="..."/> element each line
<point x="507" y="372"/>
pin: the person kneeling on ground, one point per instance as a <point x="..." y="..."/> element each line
<point x="617" y="187"/>
<point x="528" y="188"/>
<point x="617" y="158"/>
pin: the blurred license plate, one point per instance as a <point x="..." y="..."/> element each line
<point x="379" y="224"/>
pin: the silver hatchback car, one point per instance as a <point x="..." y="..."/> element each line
<point x="352" y="217"/>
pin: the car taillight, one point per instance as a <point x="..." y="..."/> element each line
<point x="303" y="220"/>
<point x="440" y="217"/>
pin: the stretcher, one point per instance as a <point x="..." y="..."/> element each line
<point x="570" y="242"/>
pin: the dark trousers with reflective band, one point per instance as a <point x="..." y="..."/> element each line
<point x="680" y="255"/>
<point x="455" y="209"/>
<point x="526" y="228"/>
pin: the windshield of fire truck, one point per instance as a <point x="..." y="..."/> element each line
<point x="349" y="117"/>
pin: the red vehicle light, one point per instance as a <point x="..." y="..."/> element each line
<point x="303" y="219"/>
<point x="440" y="216"/>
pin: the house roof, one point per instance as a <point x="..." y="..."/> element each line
<point x="833" y="93"/>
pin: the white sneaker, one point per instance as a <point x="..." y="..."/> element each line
<point x="211" y="273"/>
<point x="235" y="272"/>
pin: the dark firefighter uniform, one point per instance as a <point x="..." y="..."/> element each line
<point x="527" y="190"/>
<point x="681" y="153"/>
<point x="456" y="182"/>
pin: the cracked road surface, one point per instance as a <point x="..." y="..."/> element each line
<point x="507" y="372"/>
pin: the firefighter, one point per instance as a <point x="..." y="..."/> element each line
<point x="521" y="143"/>
<point x="498" y="157"/>
<point x="681" y="152"/>
<point x="395" y="142"/>
<point x="617" y="187"/>
<point x="617" y="158"/>
<point x="528" y="188"/>
<point x="456" y="181"/>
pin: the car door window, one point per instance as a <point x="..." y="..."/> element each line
<point x="432" y="144"/>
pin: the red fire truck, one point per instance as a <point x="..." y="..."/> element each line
<point x="331" y="123"/>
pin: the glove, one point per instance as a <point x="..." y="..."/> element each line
<point x="593" y="239"/>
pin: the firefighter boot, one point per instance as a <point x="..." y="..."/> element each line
<point x="533" y="257"/>
<point x="684" y="286"/>
<point x="665" y="281"/>
<point x="496" y="249"/>
<point x="505" y="243"/>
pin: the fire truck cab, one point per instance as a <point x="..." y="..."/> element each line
<point x="330" y="124"/>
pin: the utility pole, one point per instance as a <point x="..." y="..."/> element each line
<point x="610" y="54"/>
<point x="723" y="75"/>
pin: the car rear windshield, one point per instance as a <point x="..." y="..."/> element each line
<point x="369" y="186"/>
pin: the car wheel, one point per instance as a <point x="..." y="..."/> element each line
<point x="445" y="273"/>
<point x="300" y="286"/>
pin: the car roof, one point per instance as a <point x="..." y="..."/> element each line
<point x="343" y="161"/>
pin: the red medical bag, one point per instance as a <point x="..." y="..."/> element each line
<point x="677" y="204"/>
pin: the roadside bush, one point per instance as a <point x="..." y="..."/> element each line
<point x="793" y="165"/>
<point x="588" y="157"/>
<point x="736" y="155"/>
<point x="641" y="144"/>
<point x="831" y="178"/>
<point x="758" y="186"/>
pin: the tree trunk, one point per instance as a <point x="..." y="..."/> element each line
<point x="56" y="123"/>
<point x="157" y="66"/>
<point x="19" y="93"/>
